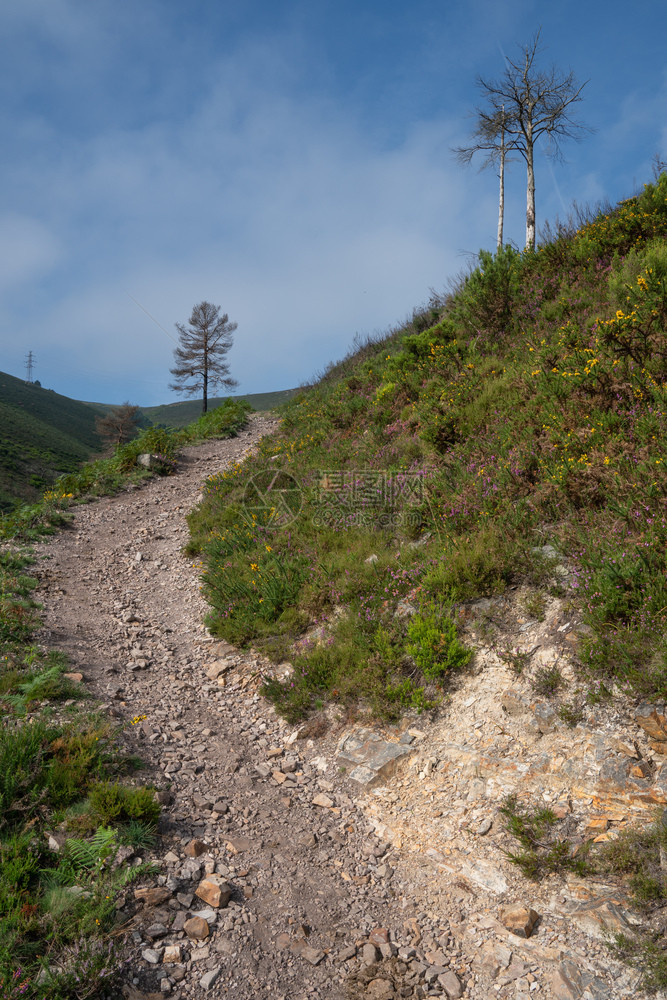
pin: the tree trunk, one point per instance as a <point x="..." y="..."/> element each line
<point x="501" y="199"/>
<point x="205" y="379"/>
<point x="530" y="195"/>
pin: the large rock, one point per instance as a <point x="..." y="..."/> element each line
<point x="599" y="917"/>
<point x="519" y="920"/>
<point x="570" y="982"/>
<point x="196" y="928"/>
<point x="372" y="758"/>
<point x="209" y="978"/>
<point x="491" y="957"/>
<point x="653" y="720"/>
<point x="148" y="461"/>
<point x="195" y="848"/>
<point x="214" y="890"/>
<point x="153" y="896"/>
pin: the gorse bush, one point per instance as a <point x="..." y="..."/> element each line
<point x="485" y="303"/>
<point x="636" y="332"/>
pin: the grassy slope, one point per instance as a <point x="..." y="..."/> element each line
<point x="529" y="408"/>
<point x="182" y="414"/>
<point x="42" y="435"/>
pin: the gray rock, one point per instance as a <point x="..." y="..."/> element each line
<point x="571" y="982"/>
<point x="152" y="955"/>
<point x="451" y="984"/>
<point x="372" y="758"/>
<point x="208" y="979"/>
<point x="156" y="931"/>
<point x="148" y="461"/>
<point x="546" y="551"/>
<point x="347" y="953"/>
<point x="369" y="954"/>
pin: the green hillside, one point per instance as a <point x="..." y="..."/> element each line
<point x="516" y="423"/>
<point x="184" y="413"/>
<point x="42" y="434"/>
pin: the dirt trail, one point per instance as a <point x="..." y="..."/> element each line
<point x="322" y="904"/>
<point x="124" y="604"/>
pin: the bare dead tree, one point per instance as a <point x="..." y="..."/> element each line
<point x="490" y="137"/>
<point x="119" y="425"/>
<point x="200" y="356"/>
<point x="531" y="102"/>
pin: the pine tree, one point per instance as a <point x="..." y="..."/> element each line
<point x="200" y="356"/>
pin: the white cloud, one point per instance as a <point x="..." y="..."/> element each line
<point x="251" y="190"/>
<point x="28" y="250"/>
<point x="283" y="211"/>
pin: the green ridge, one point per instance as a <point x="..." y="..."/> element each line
<point x="184" y="413"/>
<point x="42" y="434"/>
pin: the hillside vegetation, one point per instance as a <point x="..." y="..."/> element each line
<point x="515" y="422"/>
<point x="42" y="435"/>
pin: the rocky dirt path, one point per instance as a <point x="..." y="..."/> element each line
<point x="281" y="877"/>
<point x="309" y="882"/>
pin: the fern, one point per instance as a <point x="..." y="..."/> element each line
<point x="92" y="854"/>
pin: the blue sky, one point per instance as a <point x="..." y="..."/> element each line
<point x="289" y="161"/>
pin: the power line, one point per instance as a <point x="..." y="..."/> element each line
<point x="143" y="309"/>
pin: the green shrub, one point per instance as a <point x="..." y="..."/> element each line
<point x="479" y="564"/>
<point x="487" y="297"/>
<point x="223" y="421"/>
<point x="646" y="953"/>
<point x="420" y="346"/>
<point x="635" y="855"/>
<point x="571" y="715"/>
<point x="49" y="684"/>
<point x="547" y="681"/>
<point x="434" y="644"/>
<point x="112" y="802"/>
<point x="23" y="754"/>
<point x="74" y="762"/>
<point x="638" y="330"/>
<point x="154" y="441"/>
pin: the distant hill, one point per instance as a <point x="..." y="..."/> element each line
<point x="182" y="414"/>
<point x="42" y="434"/>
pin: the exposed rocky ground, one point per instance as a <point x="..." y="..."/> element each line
<point x="348" y="863"/>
